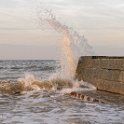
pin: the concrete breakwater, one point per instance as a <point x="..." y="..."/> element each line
<point x="106" y="73"/>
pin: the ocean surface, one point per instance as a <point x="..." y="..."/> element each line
<point x="41" y="106"/>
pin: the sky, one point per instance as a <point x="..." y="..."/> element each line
<point x="23" y="36"/>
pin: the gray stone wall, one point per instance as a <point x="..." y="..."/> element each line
<point x="106" y="73"/>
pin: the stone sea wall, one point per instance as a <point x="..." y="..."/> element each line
<point x="106" y="73"/>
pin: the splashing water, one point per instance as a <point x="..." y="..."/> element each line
<point x="30" y="83"/>
<point x="73" y="45"/>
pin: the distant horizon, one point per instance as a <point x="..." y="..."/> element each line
<point x="29" y="60"/>
<point x="34" y="52"/>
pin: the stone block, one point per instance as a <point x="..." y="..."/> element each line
<point x="106" y="73"/>
<point x="111" y="86"/>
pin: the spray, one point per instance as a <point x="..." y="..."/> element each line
<point x="73" y="45"/>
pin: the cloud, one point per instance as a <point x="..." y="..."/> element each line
<point x="10" y="3"/>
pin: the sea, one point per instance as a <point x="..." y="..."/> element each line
<point x="47" y="106"/>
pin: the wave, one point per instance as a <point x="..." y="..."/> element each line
<point x="73" y="46"/>
<point x="30" y="83"/>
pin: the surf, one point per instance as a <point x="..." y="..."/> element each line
<point x="73" y="45"/>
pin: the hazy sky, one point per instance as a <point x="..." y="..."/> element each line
<point x="22" y="36"/>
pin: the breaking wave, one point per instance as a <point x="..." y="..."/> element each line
<point x="30" y="83"/>
<point x="73" y="46"/>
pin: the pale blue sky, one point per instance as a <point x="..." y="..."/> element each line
<point x="100" y="21"/>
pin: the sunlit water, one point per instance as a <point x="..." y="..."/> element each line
<point x="49" y="106"/>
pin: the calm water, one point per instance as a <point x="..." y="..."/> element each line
<point x="48" y="107"/>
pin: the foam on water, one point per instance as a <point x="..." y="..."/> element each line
<point x="30" y="83"/>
